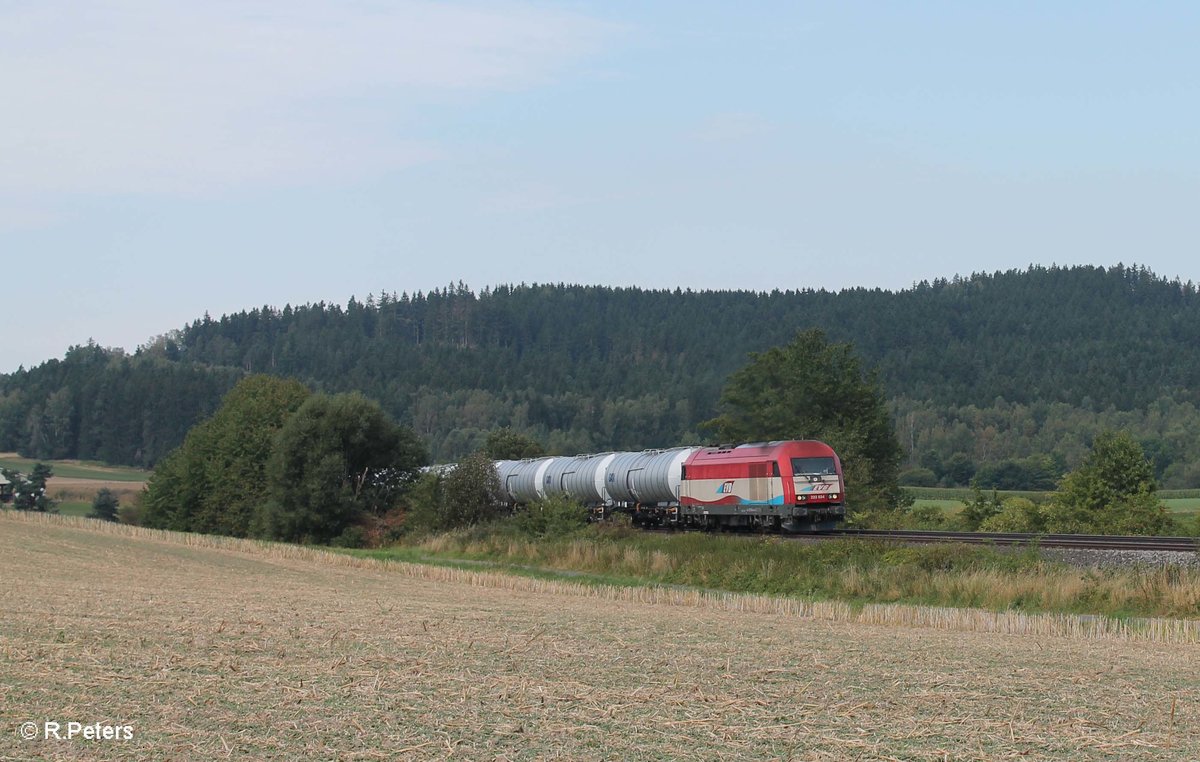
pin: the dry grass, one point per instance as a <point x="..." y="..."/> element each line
<point x="84" y="490"/>
<point x="938" y="575"/>
<point x="217" y="648"/>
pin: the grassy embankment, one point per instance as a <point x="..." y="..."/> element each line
<point x="75" y="483"/>
<point x="848" y="570"/>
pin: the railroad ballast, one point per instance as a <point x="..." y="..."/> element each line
<point x="789" y="486"/>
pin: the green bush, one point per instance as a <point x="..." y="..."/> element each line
<point x="351" y="537"/>
<point x="918" y="477"/>
<point x="1112" y="492"/>
<point x="1017" y="514"/>
<point x="461" y="496"/>
<point x="423" y="504"/>
<point x="552" y="517"/>
<point x="979" y="509"/>
<point x="925" y="517"/>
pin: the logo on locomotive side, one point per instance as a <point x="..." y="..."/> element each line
<point x="821" y="487"/>
<point x="726" y="488"/>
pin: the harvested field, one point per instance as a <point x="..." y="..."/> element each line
<point x="246" y="651"/>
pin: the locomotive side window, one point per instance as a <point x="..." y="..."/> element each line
<point x="813" y="467"/>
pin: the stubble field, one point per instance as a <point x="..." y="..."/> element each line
<point x="222" y="653"/>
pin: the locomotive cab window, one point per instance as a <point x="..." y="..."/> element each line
<point x="813" y="467"/>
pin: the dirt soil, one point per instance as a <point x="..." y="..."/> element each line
<point x="215" y="654"/>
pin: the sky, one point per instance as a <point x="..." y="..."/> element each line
<point x="160" y="160"/>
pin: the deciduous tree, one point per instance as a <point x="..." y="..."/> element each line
<point x="813" y="389"/>
<point x="337" y="458"/>
<point x="506" y="444"/>
<point x="1112" y="492"/>
<point x="215" y="481"/>
<point x="470" y="492"/>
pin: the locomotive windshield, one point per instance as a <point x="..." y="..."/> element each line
<point x="813" y="467"/>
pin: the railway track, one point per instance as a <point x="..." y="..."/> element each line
<point x="1093" y="542"/>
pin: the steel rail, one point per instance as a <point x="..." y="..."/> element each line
<point x="1096" y="542"/>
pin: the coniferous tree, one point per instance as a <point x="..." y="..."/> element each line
<point x="29" y="492"/>
<point x="105" y="505"/>
<point x="996" y="366"/>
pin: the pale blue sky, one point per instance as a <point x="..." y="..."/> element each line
<point x="159" y="160"/>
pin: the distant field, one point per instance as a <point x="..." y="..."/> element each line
<point x="75" y="483"/>
<point x="1182" y="502"/>
<point x="243" y="651"/>
<point x="960" y="494"/>
<point x="74" y="508"/>
<point x="965" y="493"/>
<point x="1183" y="505"/>
<point x="947" y="505"/>
<point x="73" y="469"/>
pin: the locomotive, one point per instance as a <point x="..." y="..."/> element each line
<point x="789" y="486"/>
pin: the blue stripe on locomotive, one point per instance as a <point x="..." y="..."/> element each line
<point x="778" y="500"/>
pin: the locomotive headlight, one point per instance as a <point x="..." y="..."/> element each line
<point x="833" y="496"/>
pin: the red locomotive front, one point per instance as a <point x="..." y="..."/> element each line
<point x="792" y="485"/>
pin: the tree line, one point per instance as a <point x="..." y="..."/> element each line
<point x="278" y="461"/>
<point x="983" y="371"/>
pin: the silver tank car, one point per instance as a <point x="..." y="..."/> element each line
<point x="652" y="476"/>
<point x="505" y="470"/>
<point x="580" y="477"/>
<point x="525" y="483"/>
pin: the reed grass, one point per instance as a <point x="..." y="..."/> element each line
<point x="859" y="571"/>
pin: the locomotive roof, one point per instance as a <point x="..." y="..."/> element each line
<point x="785" y="448"/>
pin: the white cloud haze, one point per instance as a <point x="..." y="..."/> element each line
<point x="160" y="159"/>
<point x="142" y="96"/>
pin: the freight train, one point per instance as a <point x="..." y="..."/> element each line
<point x="791" y="486"/>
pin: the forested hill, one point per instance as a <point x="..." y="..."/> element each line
<point x="588" y="368"/>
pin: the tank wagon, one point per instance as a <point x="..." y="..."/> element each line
<point x="788" y="486"/>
